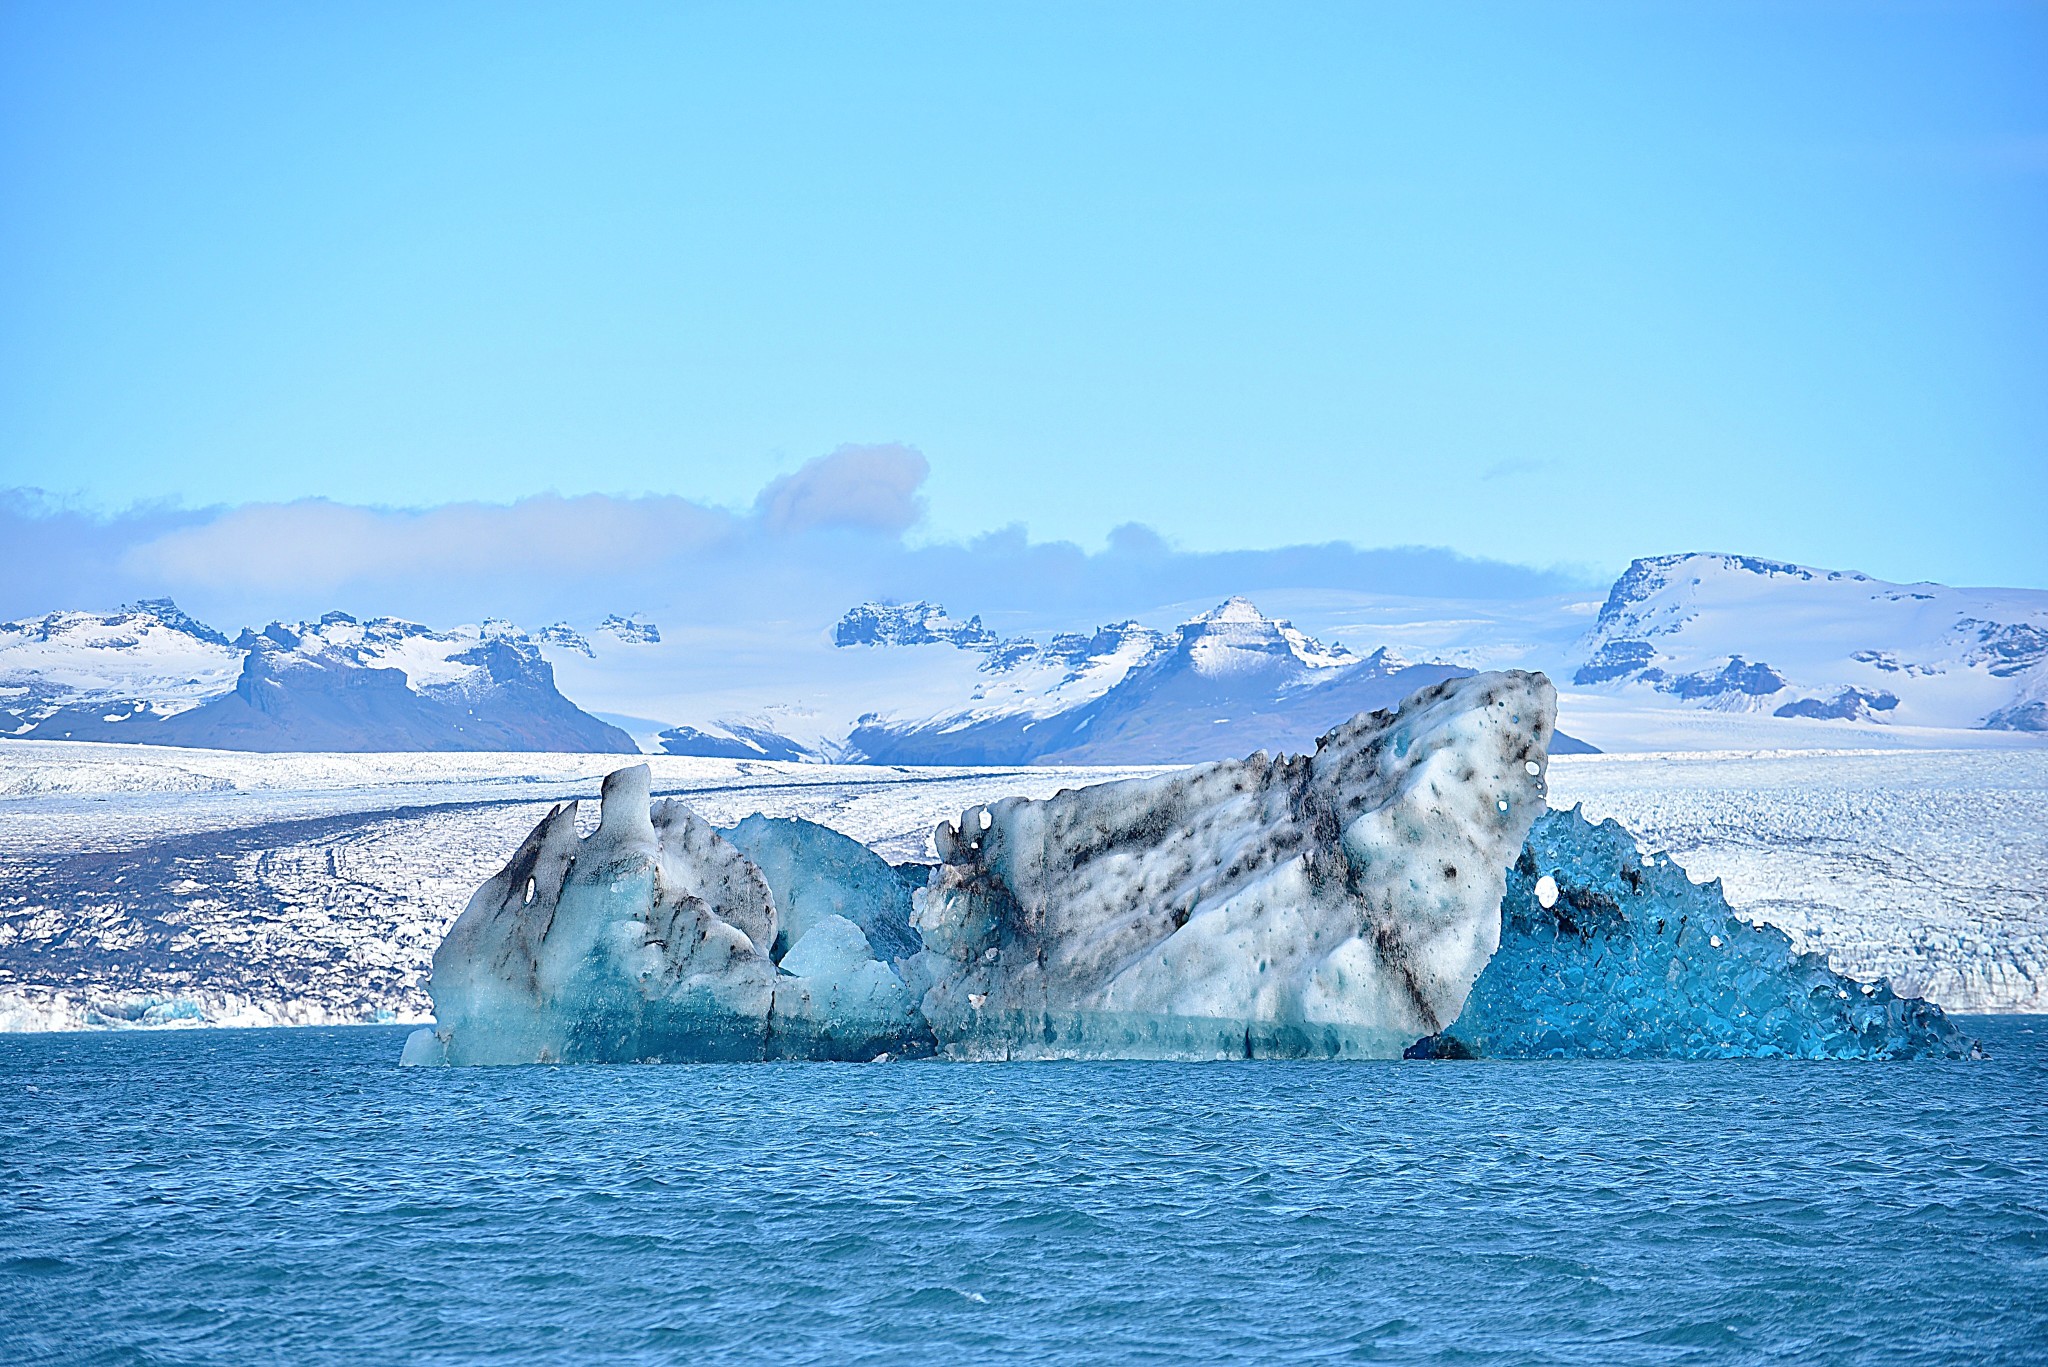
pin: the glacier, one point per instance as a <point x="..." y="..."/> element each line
<point x="1400" y="891"/>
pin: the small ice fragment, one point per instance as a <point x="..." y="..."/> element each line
<point x="1502" y="804"/>
<point x="1533" y="767"/>
<point x="1546" y="892"/>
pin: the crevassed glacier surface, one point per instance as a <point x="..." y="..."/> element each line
<point x="1608" y="952"/>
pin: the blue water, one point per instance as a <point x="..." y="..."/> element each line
<point x="292" y="1197"/>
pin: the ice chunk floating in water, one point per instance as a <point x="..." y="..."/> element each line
<point x="1339" y="903"/>
<point x="814" y="872"/>
<point x="1346" y="903"/>
<point x="652" y="939"/>
<point x="1608" y="953"/>
<point x="1333" y="904"/>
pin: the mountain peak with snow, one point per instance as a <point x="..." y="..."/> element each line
<point x="1235" y="637"/>
<point x="1650" y="579"/>
<point x="168" y="614"/>
<point x="1740" y="633"/>
<point x="1225" y="682"/>
<point x="1236" y="608"/>
<point x="1230" y="638"/>
<point x="152" y="674"/>
<point x="631" y="630"/>
<point x="909" y="624"/>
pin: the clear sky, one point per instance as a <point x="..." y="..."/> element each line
<point x="1556" y="284"/>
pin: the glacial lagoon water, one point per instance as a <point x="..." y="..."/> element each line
<point x="293" y="1197"/>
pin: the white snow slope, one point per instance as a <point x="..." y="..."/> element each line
<point x="1738" y="634"/>
<point x="149" y="653"/>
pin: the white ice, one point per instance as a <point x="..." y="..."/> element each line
<point x="650" y="939"/>
<point x="1335" y="904"/>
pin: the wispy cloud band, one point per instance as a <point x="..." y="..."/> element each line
<point x="813" y="542"/>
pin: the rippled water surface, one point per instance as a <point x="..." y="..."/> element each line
<point x="294" y="1197"/>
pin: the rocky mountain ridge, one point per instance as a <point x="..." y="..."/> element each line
<point x="151" y="674"/>
<point x="1739" y="633"/>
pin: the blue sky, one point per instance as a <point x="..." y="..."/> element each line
<point x="1557" y="285"/>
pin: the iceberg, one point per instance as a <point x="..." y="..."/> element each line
<point x="1337" y="904"/>
<point x="1334" y="904"/>
<point x="1402" y="891"/>
<point x="652" y="939"/>
<point x="814" y="872"/>
<point x="1610" y="952"/>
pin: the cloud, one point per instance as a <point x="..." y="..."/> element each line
<point x="1136" y="539"/>
<point x="814" y="543"/>
<point x="864" y="488"/>
<point x="317" y="545"/>
<point x="60" y="556"/>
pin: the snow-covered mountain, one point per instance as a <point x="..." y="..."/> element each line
<point x="1228" y="682"/>
<point x="151" y="674"/>
<point x="1688" y="652"/>
<point x="908" y="624"/>
<point x="1735" y="633"/>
